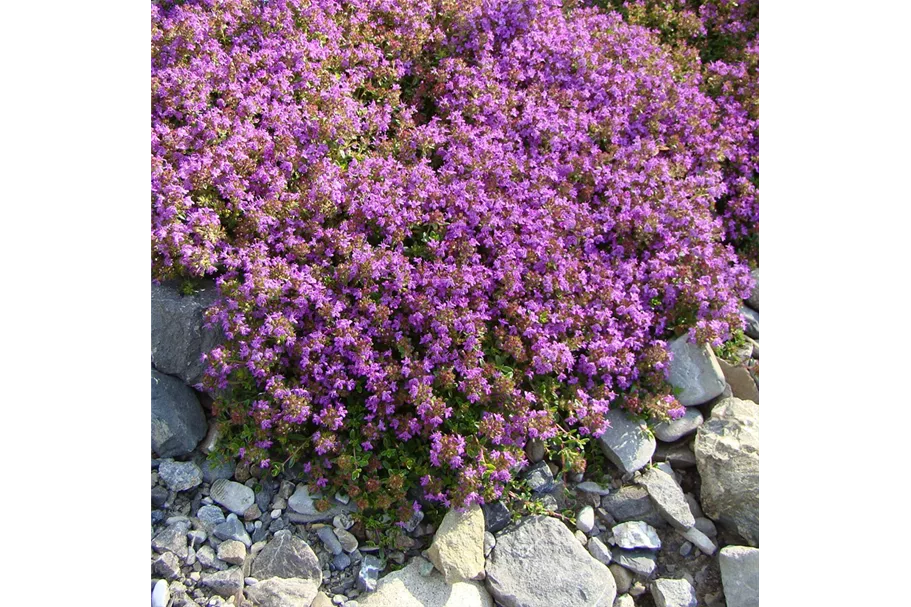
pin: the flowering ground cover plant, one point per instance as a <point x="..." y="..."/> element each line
<point x="439" y="229"/>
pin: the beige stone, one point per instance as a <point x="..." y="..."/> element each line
<point x="457" y="550"/>
<point x="742" y="385"/>
<point x="408" y="588"/>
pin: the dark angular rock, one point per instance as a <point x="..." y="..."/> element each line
<point x="369" y="573"/>
<point x="179" y="338"/>
<point x="539" y="478"/>
<point x="632" y="503"/>
<point x="178" y="423"/>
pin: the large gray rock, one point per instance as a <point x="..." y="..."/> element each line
<point x="641" y="562"/>
<point x="178" y="423"/>
<point x="753" y="299"/>
<point x="627" y="443"/>
<point x="281" y="592"/>
<point x="668" y="498"/>
<point x="287" y="556"/>
<point x="727" y="457"/>
<point x="225" y="583"/>
<point x="675" y="429"/>
<point x="408" y="588"/>
<point x="632" y="503"/>
<point x="694" y="372"/>
<point x="179" y="338"/>
<point x="232" y="495"/>
<point x="541" y="549"/>
<point x="636" y="534"/>
<point x="740" y="575"/>
<point x="457" y="550"/>
<point x="179" y="476"/>
<point x="673" y="593"/>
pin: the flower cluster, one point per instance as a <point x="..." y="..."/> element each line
<point x="438" y="228"/>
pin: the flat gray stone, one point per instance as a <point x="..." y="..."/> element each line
<point x="409" y="587"/>
<point x="592" y="487"/>
<point x="727" y="457"/>
<point x="235" y="497"/>
<point x="224" y="583"/>
<point x="210" y="515"/>
<point x="179" y="338"/>
<point x="622" y="577"/>
<point x="160" y="594"/>
<point x="667" y="496"/>
<point x="627" y="443"/>
<point x="303" y="505"/>
<point x="599" y="551"/>
<point x="632" y="503"/>
<point x="167" y="566"/>
<point x="232" y="529"/>
<point x="753" y="299"/>
<point x="341" y="561"/>
<point x="751" y="318"/>
<point x="694" y="372"/>
<point x="542" y="548"/>
<point x="678" y="454"/>
<point x="673" y="593"/>
<point x="740" y="575"/>
<point x="282" y="592"/>
<point x="172" y="539"/>
<point x="699" y="539"/>
<point x="640" y="562"/>
<point x="179" y="476"/>
<point x="636" y="534"/>
<point x="348" y="542"/>
<point x="178" y="422"/>
<point x="287" y="556"/>
<point x="676" y="429"/>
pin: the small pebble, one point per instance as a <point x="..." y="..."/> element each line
<point x="685" y="549"/>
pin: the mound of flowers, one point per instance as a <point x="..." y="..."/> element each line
<point x="439" y="229"/>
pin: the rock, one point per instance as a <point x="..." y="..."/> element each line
<point x="224" y="583"/>
<point x="627" y="443"/>
<point x="542" y="548"/>
<point x="457" y="550"/>
<point x="489" y="542"/>
<point x="408" y="588"/>
<point x="412" y="523"/>
<point x="212" y="470"/>
<point x="740" y="575"/>
<point x="172" y="539"/>
<point x="727" y="457"/>
<point x="369" y="573"/>
<point x="632" y="503"/>
<point x="700" y="539"/>
<point x="694" y="371"/>
<point x="673" y="593"/>
<point x="706" y="526"/>
<point x="591" y="487"/>
<point x="583" y="539"/>
<point x="539" y="478"/>
<point x="167" y="565"/>
<point x="160" y="594"/>
<point x="178" y="422"/>
<point x="210" y="515"/>
<point x="640" y="562"/>
<point x="636" y="534"/>
<point x="755" y="347"/>
<point x="667" y="496"/>
<point x="670" y="431"/>
<point x="693" y="503"/>
<point x="751" y="318"/>
<point x="252" y="513"/>
<point x="348" y="542"/>
<point x="496" y="516"/>
<point x="330" y="541"/>
<point x="599" y="551"/>
<point x="753" y="299"/>
<point x="534" y="450"/>
<point x="235" y="497"/>
<point x="179" y="476"/>
<point x="585" y="520"/>
<point x="179" y="338"/>
<point x="282" y="592"/>
<point x="740" y="380"/>
<point x="622" y="577"/>
<point x="321" y="600"/>
<point x="341" y="561"/>
<point x="232" y="529"/>
<point x="678" y="455"/>
<point x="159" y="496"/>
<point x="624" y="600"/>
<point x="232" y="551"/>
<point x="637" y="589"/>
<point x="287" y="556"/>
<point x="304" y="506"/>
<point x="206" y="557"/>
<point x="685" y="549"/>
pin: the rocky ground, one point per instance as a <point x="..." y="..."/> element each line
<point x="671" y="521"/>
